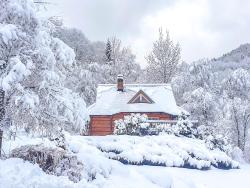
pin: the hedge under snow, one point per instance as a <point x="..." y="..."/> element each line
<point x="163" y="150"/>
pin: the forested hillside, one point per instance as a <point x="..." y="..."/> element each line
<point x="217" y="93"/>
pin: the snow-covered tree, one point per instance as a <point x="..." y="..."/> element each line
<point x="84" y="81"/>
<point x="196" y="90"/>
<point x="216" y="92"/>
<point x="97" y="63"/>
<point x="2" y="107"/>
<point x="122" y="62"/>
<point x="36" y="67"/>
<point x="163" y="60"/>
<point x="236" y="92"/>
<point x="237" y="84"/>
<point x="76" y="39"/>
<point x="108" y="51"/>
<point x="184" y="127"/>
<point x="201" y="104"/>
<point x="240" y="121"/>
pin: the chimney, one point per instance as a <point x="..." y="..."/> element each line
<point x="120" y="84"/>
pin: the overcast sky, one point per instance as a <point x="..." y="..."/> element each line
<point x="204" y="28"/>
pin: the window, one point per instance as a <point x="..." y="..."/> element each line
<point x="153" y="118"/>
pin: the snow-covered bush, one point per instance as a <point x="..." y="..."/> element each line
<point x="184" y="127"/>
<point x="59" y="138"/>
<point x="137" y="125"/>
<point x="163" y="150"/>
<point x="217" y="142"/>
<point x="52" y="160"/>
<point x="132" y="124"/>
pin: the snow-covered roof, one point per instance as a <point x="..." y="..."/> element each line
<point x="110" y="101"/>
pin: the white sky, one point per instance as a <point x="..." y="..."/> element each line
<point x="204" y="28"/>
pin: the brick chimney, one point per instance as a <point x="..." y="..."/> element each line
<point x="120" y="83"/>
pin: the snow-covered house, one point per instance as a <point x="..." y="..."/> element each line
<point x="114" y="101"/>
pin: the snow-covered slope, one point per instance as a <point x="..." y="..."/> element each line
<point x="237" y="58"/>
<point x="237" y="55"/>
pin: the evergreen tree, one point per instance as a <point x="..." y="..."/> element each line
<point x="108" y="51"/>
<point x="184" y="127"/>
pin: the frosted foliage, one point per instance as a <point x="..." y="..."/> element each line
<point x="19" y="12"/>
<point x="200" y="102"/>
<point x="16" y="74"/>
<point x="35" y="69"/>
<point x="131" y="124"/>
<point x="216" y="92"/>
<point x="163" y="150"/>
<point x="239" y="111"/>
<point x="121" y="61"/>
<point x="51" y="160"/>
<point x="163" y="60"/>
<point x="184" y="127"/>
<point x="92" y="67"/>
<point x="63" y="53"/>
<point x="76" y="40"/>
<point x="8" y="33"/>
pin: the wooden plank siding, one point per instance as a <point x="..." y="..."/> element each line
<point x="104" y="125"/>
<point x="100" y="125"/>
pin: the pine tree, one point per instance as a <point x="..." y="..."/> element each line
<point x="184" y="127"/>
<point x="108" y="51"/>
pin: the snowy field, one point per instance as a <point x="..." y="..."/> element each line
<point x="102" y="171"/>
<point x="15" y="173"/>
<point x="214" y="178"/>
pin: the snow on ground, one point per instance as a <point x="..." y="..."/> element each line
<point x="22" y="140"/>
<point x="110" y="173"/>
<point x="214" y="178"/>
<point x="15" y="173"/>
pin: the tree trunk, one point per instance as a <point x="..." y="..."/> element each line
<point x="2" y="110"/>
<point x="1" y="137"/>
<point x="245" y="126"/>
<point x="237" y="128"/>
<point x="2" y="113"/>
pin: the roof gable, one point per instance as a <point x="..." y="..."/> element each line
<point x="140" y="97"/>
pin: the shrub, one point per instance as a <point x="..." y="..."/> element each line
<point x="133" y="124"/>
<point x="184" y="127"/>
<point x="136" y="124"/>
<point x="54" y="161"/>
<point x="217" y="142"/>
<point x="59" y="138"/>
<point x="165" y="150"/>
